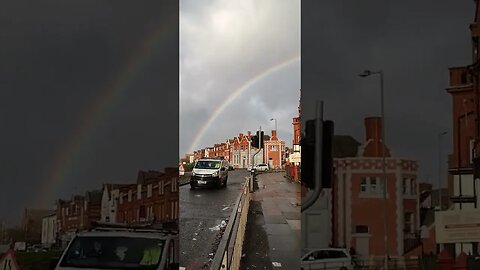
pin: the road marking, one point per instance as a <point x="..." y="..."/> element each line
<point x="225" y="208"/>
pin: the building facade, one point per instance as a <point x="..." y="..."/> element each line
<point x="464" y="89"/>
<point x="274" y="152"/>
<point x="359" y="185"/>
<point x="154" y="197"/>
<point x="49" y="230"/>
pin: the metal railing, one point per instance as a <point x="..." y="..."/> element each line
<point x="229" y="251"/>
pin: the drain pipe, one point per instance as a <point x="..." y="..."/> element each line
<point x="318" y="157"/>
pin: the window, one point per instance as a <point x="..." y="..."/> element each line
<point x="121" y="198"/>
<point x="463" y="79"/>
<point x="274" y="148"/>
<point x="408" y="227"/>
<point x="149" y="191"/>
<point x="141" y="212"/>
<point x="373" y="184"/>
<point x="363" y="185"/>
<point x="361" y="229"/>
<point x="413" y="187"/>
<point x="160" y="188"/>
<point x="405" y="185"/>
<point x="174" y="184"/>
<point x="129" y="195"/>
<point x="139" y="192"/>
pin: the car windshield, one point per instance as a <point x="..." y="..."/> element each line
<point x="206" y="164"/>
<point x="114" y="253"/>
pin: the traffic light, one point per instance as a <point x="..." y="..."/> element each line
<point x="308" y="154"/>
<point x="254" y="142"/>
<point x="307" y="166"/>
<point x="261" y="138"/>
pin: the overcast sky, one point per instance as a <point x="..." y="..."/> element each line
<point x="225" y="45"/>
<point x="413" y="42"/>
<point x="89" y="95"/>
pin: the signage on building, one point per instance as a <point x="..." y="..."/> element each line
<point x="458" y="226"/>
<point x="294" y="158"/>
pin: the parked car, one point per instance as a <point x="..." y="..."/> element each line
<point x="209" y="173"/>
<point x="326" y="259"/>
<point x="121" y="246"/>
<point x="261" y="167"/>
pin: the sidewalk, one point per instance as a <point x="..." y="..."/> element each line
<point x="272" y="237"/>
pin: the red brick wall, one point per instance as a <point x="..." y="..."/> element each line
<point x="164" y="206"/>
<point x="463" y="104"/>
<point x="374" y="217"/>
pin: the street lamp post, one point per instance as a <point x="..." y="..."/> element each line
<point x="275" y="123"/>
<point x="440" y="135"/>
<point x="367" y="73"/>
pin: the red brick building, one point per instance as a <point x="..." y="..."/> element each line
<point x="358" y="219"/>
<point x="78" y="213"/>
<point x="294" y="156"/>
<point x="464" y="89"/>
<point x="274" y="152"/>
<point x="154" y="197"/>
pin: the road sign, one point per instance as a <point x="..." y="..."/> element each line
<point x="457" y="226"/>
<point x="9" y="261"/>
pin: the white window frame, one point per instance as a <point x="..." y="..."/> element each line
<point x="149" y="190"/>
<point x="364" y="184"/>
<point x="174" y="184"/>
<point x="161" y="187"/>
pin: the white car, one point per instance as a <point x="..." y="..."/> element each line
<point x="261" y="167"/>
<point x="326" y="259"/>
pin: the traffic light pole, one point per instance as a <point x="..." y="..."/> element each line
<point x="259" y="149"/>
<point x="318" y="158"/>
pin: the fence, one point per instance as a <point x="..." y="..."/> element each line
<point x="229" y="252"/>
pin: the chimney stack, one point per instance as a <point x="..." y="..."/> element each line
<point x="274" y="135"/>
<point x="373" y="136"/>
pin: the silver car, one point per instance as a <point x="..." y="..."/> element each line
<point x="326" y="259"/>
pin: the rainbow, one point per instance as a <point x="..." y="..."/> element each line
<point x="236" y="93"/>
<point x="100" y="110"/>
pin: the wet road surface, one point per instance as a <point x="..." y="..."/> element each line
<point x="201" y="214"/>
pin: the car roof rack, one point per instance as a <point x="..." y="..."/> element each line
<point x="139" y="227"/>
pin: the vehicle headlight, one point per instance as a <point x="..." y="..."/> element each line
<point x="215" y="174"/>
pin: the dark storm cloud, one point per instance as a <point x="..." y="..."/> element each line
<point x="413" y="42"/>
<point x="57" y="59"/>
<point x="224" y="45"/>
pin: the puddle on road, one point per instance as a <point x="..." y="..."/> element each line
<point x="222" y="225"/>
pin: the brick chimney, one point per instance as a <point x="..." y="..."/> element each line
<point x="274" y="135"/>
<point x="373" y="132"/>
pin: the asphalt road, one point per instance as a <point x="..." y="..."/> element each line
<point x="201" y="214"/>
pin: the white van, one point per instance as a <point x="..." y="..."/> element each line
<point x="119" y="246"/>
<point x="209" y="173"/>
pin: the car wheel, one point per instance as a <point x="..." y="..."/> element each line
<point x="192" y="187"/>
